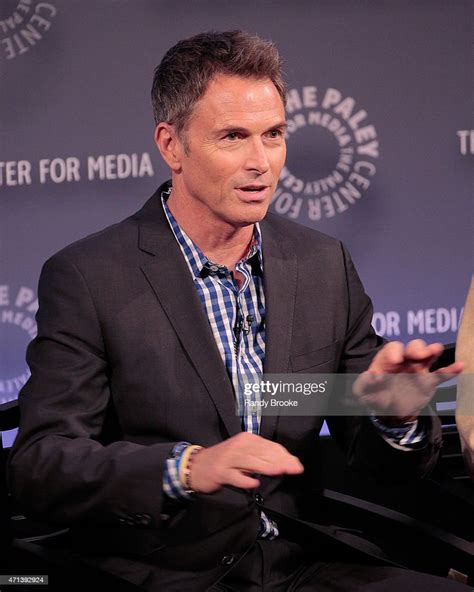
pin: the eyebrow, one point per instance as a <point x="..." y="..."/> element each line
<point x="230" y="128"/>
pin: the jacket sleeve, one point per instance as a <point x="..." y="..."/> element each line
<point x="366" y="450"/>
<point x="65" y="466"/>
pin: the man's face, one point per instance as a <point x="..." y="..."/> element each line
<point x="235" y="150"/>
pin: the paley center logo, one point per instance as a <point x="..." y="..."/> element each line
<point x="17" y="328"/>
<point x="23" y="23"/>
<point x="332" y="153"/>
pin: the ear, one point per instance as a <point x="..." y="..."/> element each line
<point x="169" y="145"/>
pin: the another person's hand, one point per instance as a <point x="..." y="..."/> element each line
<point x="236" y="460"/>
<point x="398" y="383"/>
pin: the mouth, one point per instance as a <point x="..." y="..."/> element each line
<point x="253" y="191"/>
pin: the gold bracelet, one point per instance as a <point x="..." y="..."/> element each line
<point x="185" y="464"/>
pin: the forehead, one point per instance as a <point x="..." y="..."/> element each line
<point x="229" y="98"/>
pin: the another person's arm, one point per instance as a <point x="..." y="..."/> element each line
<point x="465" y="395"/>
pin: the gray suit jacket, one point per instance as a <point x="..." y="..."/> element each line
<point x="125" y="365"/>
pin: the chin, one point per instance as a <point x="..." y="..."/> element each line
<point x="253" y="214"/>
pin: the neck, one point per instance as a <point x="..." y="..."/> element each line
<point x="220" y="241"/>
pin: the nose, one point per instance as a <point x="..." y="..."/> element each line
<point x="257" y="157"/>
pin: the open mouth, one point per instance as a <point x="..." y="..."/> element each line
<point x="253" y="189"/>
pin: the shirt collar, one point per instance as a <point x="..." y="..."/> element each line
<point x="198" y="263"/>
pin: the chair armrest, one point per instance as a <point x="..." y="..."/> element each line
<point x="9" y="416"/>
<point x="408" y="540"/>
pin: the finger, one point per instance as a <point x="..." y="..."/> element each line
<point x="239" y="479"/>
<point x="418" y="351"/>
<point x="267" y="451"/>
<point x="269" y="466"/>
<point x="415" y="346"/>
<point x="293" y="466"/>
<point x="388" y="358"/>
<point x="448" y="372"/>
<point x="419" y="357"/>
<point x="454" y="368"/>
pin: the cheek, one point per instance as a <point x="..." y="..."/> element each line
<point x="278" y="161"/>
<point x="201" y="173"/>
<point x="226" y="171"/>
<point x="218" y="165"/>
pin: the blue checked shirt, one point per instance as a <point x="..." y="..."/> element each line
<point x="237" y="318"/>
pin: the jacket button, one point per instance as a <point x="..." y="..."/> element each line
<point x="227" y="560"/>
<point x="259" y="499"/>
<point x="142" y="519"/>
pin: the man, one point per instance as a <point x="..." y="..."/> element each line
<point x="148" y="329"/>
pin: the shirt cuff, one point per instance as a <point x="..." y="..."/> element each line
<point x="406" y="436"/>
<point x="172" y="486"/>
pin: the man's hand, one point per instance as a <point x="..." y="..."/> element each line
<point x="234" y="461"/>
<point x="398" y="383"/>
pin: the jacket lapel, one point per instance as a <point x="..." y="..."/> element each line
<point x="169" y="277"/>
<point x="280" y="274"/>
<point x="171" y="281"/>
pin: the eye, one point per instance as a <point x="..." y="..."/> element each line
<point x="233" y="136"/>
<point x="275" y="133"/>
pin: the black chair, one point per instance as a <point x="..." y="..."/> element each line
<point x="30" y="547"/>
<point x="9" y="419"/>
<point x="427" y="525"/>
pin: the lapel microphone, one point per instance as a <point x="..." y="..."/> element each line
<point x="244" y="326"/>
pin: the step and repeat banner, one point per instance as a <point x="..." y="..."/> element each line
<point x="380" y="140"/>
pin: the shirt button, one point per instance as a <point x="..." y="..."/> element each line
<point x="259" y="499"/>
<point x="227" y="560"/>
